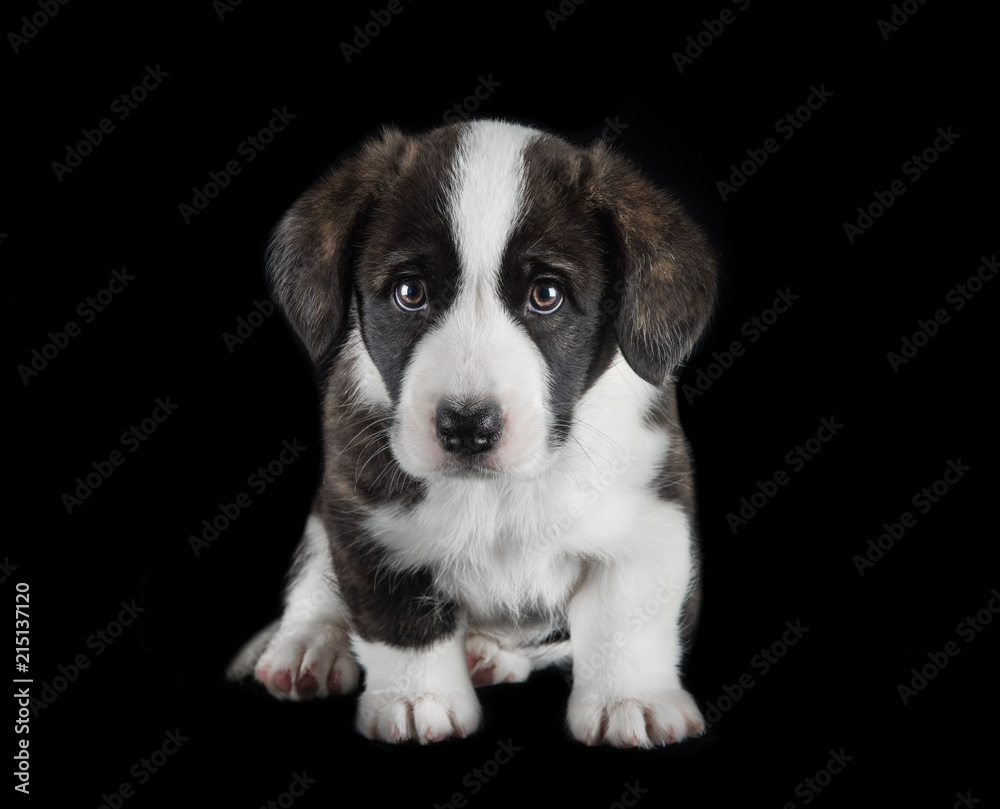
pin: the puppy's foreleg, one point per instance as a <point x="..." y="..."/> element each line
<point x="424" y="694"/>
<point x="625" y="630"/>
<point x="307" y="653"/>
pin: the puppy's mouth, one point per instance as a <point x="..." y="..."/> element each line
<point x="484" y="465"/>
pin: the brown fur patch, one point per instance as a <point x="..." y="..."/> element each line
<point x="400" y="608"/>
<point x="666" y="269"/>
<point x="311" y="255"/>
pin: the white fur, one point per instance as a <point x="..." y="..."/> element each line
<point x="513" y="546"/>
<point x="487" y="189"/>
<point x="477" y="353"/>
<point x="369" y="386"/>
<point x="420" y="694"/>
<point x="626" y="656"/>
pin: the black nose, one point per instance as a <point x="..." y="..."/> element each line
<point x="468" y="430"/>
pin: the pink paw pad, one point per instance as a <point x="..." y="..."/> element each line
<point x="484" y="676"/>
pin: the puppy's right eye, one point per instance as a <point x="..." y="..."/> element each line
<point x="545" y="298"/>
<point x="410" y="295"/>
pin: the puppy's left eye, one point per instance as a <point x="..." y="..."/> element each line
<point x="545" y="297"/>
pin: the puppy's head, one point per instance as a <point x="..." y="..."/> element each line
<point x="491" y="272"/>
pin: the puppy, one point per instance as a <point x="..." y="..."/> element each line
<point x="495" y="315"/>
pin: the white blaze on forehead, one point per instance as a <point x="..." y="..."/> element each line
<point x="487" y="190"/>
<point x="476" y="351"/>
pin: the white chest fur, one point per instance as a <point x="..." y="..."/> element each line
<point x="512" y="550"/>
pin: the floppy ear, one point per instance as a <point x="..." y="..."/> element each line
<point x="665" y="270"/>
<point x="309" y="256"/>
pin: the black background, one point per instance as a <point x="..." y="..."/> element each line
<point x="826" y="357"/>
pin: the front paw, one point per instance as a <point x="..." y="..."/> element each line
<point x="308" y="661"/>
<point x="663" y="718"/>
<point x="394" y="716"/>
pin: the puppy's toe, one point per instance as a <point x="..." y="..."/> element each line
<point x="672" y="717"/>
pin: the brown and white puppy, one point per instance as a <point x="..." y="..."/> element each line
<point x="495" y="314"/>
